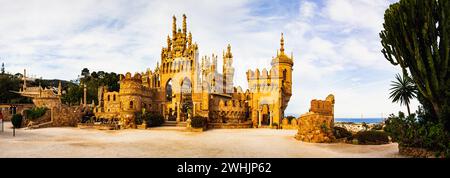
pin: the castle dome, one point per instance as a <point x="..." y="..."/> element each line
<point x="281" y="56"/>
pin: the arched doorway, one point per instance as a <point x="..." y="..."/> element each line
<point x="186" y="103"/>
<point x="171" y="111"/>
<point x="169" y="90"/>
<point x="265" y="115"/>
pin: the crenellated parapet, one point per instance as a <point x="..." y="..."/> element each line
<point x="263" y="81"/>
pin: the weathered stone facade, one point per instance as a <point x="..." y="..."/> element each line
<point x="270" y="91"/>
<point x="184" y="80"/>
<point x="58" y="114"/>
<point x="317" y="125"/>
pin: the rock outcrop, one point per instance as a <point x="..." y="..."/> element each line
<point x="316" y="126"/>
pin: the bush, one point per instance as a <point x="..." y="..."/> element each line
<point x="418" y="133"/>
<point x="35" y="112"/>
<point x="290" y="118"/>
<point x="199" y="122"/>
<point x="372" y="137"/>
<point x="377" y="127"/>
<point x="153" y="120"/>
<point x="340" y="132"/>
<point x="138" y="118"/>
<point x="275" y="125"/>
<point x="16" y="120"/>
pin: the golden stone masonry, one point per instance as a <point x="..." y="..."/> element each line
<point x="183" y="78"/>
<point x="184" y="85"/>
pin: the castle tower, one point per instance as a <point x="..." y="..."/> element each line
<point x="184" y="25"/>
<point x="228" y="71"/>
<point x="283" y="65"/>
<point x="24" y="79"/>
<point x="59" y="89"/>
<point x="174" y="27"/>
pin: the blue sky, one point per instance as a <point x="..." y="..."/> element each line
<point x="335" y="42"/>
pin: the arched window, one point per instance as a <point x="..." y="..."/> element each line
<point x="169" y="90"/>
<point x="284" y="74"/>
<point x="131" y="105"/>
<point x="109" y="99"/>
<point x="114" y="97"/>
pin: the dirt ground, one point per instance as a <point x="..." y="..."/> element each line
<point x="174" y="142"/>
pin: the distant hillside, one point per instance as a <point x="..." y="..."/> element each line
<point x="9" y="83"/>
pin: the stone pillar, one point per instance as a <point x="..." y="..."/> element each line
<point x="84" y="96"/>
<point x="24" y="80"/>
<point x="259" y="117"/>
<point x="178" y="112"/>
<point x="271" y="119"/>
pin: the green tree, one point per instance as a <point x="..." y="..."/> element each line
<point x="85" y="72"/>
<point x="3" y="68"/>
<point x="8" y="83"/>
<point x="416" y="37"/>
<point x="403" y="90"/>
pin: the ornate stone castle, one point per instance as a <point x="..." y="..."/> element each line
<point x="183" y="82"/>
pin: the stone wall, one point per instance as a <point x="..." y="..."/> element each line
<point x="45" y="118"/>
<point x="243" y="125"/>
<point x="293" y="124"/>
<point x="317" y="125"/>
<point x="315" y="128"/>
<point x="417" y="152"/>
<point x="66" y="116"/>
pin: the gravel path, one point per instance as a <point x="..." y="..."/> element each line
<point x="74" y="142"/>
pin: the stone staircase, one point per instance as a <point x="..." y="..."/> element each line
<point x="173" y="124"/>
<point x="169" y="124"/>
<point x="41" y="125"/>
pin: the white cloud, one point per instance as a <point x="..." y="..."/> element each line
<point x="56" y="39"/>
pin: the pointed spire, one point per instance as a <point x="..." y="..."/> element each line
<point x="25" y="79"/>
<point x="282" y="44"/>
<point x="184" y="24"/>
<point x="174" y="26"/>
<point x="228" y="54"/>
<point x="169" y="43"/>
<point x="59" y="88"/>
<point x="190" y="39"/>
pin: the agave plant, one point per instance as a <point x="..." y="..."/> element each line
<point x="403" y="90"/>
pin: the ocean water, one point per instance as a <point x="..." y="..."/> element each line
<point x="360" y="120"/>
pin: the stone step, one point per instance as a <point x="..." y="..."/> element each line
<point x="173" y="128"/>
<point x="169" y="123"/>
<point x="42" y="125"/>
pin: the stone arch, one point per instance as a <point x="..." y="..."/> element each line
<point x="169" y="91"/>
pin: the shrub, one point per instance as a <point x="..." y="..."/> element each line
<point x="372" y="137"/>
<point x="138" y="118"/>
<point x="290" y="118"/>
<point x="377" y="127"/>
<point x="16" y="120"/>
<point x="275" y="125"/>
<point x="340" y="132"/>
<point x="35" y="112"/>
<point x="418" y="133"/>
<point x="198" y="122"/>
<point x="153" y="120"/>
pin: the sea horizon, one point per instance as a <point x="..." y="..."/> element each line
<point x="369" y="120"/>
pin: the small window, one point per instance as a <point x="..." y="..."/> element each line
<point x="114" y="97"/>
<point x="131" y="105"/>
<point x="109" y="99"/>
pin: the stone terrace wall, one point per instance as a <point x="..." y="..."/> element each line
<point x="317" y="125"/>
<point x="66" y="116"/>
<point x="315" y="128"/>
